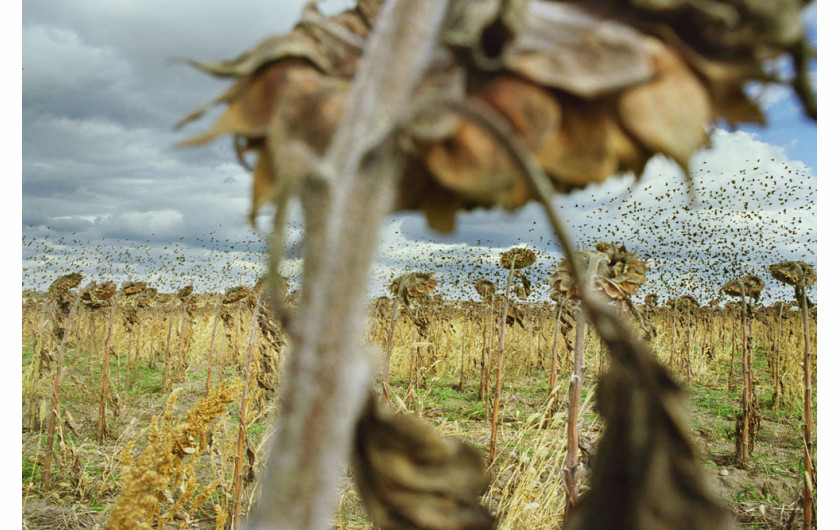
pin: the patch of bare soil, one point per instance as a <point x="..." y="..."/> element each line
<point x="766" y="494"/>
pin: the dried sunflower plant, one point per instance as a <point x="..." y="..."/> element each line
<point x="406" y="289"/>
<point x="440" y="106"/>
<point x="748" y="421"/>
<point x="800" y="276"/>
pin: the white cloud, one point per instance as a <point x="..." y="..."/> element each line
<point x="165" y="223"/>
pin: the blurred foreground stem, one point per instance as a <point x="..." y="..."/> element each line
<point x="328" y="369"/>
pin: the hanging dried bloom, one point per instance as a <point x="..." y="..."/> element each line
<point x="105" y="290"/>
<point x="588" y="95"/>
<point x="132" y="288"/>
<point x="520" y="258"/>
<point x="618" y="275"/>
<point x="61" y="285"/>
<point x="624" y="273"/>
<point x="96" y="296"/>
<point x="235" y="294"/>
<point x="485" y="288"/>
<point x="788" y="273"/>
<point x="148" y="298"/>
<point x="752" y="284"/>
<point x="413" y="286"/>
<point x="561" y="279"/>
<point x="651" y="300"/>
<point x="687" y="301"/>
<point x="184" y="292"/>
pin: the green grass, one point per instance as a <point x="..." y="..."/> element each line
<point x="30" y="471"/>
<point x="256" y="429"/>
<point x="751" y="494"/>
<point x="146" y="381"/>
<point x="717" y="402"/>
<point x="474" y="412"/>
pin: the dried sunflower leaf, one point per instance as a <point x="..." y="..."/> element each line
<point x="645" y="473"/>
<point x="411" y="477"/>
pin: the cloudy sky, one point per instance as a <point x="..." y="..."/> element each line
<point x="105" y="192"/>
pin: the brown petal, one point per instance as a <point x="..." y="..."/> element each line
<point x="670" y="113"/>
<point x="562" y="45"/>
<point x="251" y="101"/>
<point x="532" y="110"/>
<point x="578" y="153"/>
<point x="470" y="163"/>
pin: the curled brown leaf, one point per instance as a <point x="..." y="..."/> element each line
<point x="411" y="477"/>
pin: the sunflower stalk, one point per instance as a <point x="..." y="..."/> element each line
<point x="56" y="385"/>
<point x="243" y="413"/>
<point x="166" y="386"/>
<point x="570" y="468"/>
<point x="810" y="477"/>
<point x="328" y="368"/>
<point x="497" y="394"/>
<point x="777" y="369"/>
<point x="744" y="437"/>
<point x="386" y="373"/>
<point x="103" y="400"/>
<point x="212" y="346"/>
<point x="552" y="376"/>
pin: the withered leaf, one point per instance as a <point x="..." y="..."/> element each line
<point x="409" y="476"/>
<point x="645" y="473"/>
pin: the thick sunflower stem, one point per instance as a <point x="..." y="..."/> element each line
<point x="742" y="442"/>
<point x="328" y="370"/>
<point x="777" y="369"/>
<point x="570" y="468"/>
<point x="485" y="351"/>
<point x="166" y="386"/>
<point x="575" y="384"/>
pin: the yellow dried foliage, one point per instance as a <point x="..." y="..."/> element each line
<point x="167" y="461"/>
